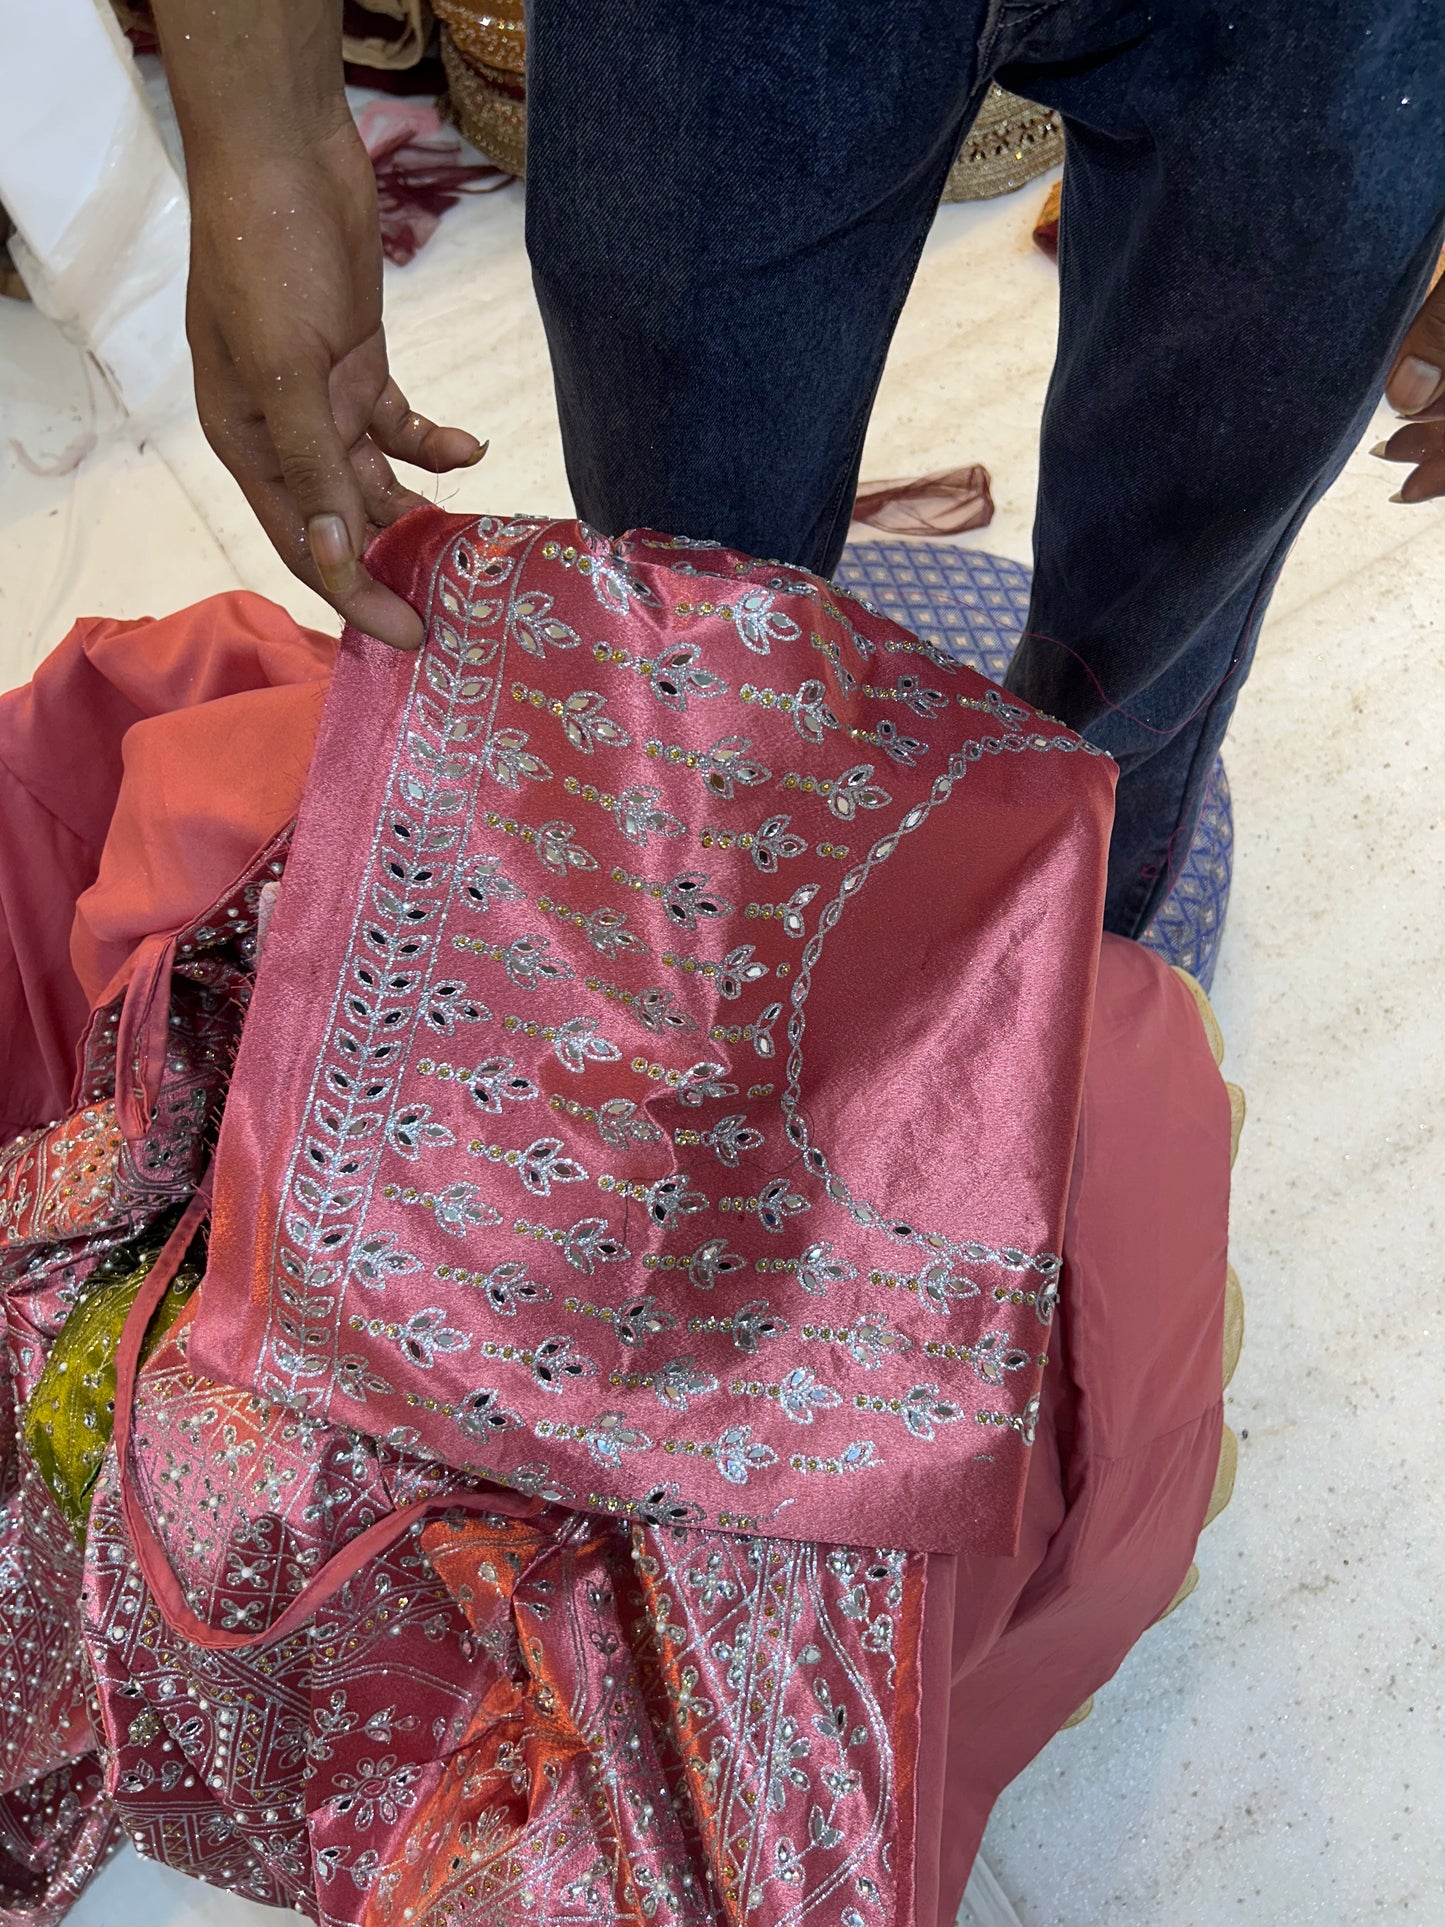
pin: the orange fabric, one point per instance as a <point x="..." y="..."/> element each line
<point x="1046" y="227"/>
<point x="230" y="693"/>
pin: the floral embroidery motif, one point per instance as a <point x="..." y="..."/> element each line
<point x="541" y="1165"/>
<point x="483" y="885"/>
<point x="563" y="1676"/>
<point x="799" y="1395"/>
<point x="401" y="1202"/>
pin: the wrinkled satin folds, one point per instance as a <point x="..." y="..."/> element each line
<point x="575" y="1715"/>
<point x="662" y="1083"/>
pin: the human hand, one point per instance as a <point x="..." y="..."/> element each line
<point x="1417" y="388"/>
<point x="292" y="382"/>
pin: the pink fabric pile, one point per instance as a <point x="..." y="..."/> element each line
<point x="713" y="1548"/>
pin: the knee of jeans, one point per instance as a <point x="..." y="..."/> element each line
<point x="1130" y="740"/>
<point x="1164" y="761"/>
<point x="580" y="282"/>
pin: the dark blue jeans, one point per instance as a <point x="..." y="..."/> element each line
<point x="726" y="203"/>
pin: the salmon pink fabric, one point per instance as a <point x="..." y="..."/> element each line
<point x="593" y="1676"/>
<point x="139" y="770"/>
<point x="1133" y="1406"/>
<point x="672" y="1723"/>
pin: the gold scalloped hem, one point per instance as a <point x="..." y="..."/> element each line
<point x="493" y="34"/>
<point x="1186" y="1587"/>
<point x="480" y="102"/>
<point x="1238" y="1110"/>
<point x="1078" y="1717"/>
<point x="1225" y="1474"/>
<point x="1011" y="143"/>
<point x="1206" y="1012"/>
<point x="1233" y="1324"/>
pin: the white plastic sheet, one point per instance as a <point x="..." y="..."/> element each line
<point x="100" y="212"/>
<point x="985" y="1904"/>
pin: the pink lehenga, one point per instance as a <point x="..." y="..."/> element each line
<point x="708" y="1337"/>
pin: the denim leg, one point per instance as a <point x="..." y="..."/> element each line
<point x="1253" y="201"/>
<point x="726" y="200"/>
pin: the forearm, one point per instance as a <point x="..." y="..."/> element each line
<point x="293" y="388"/>
<point x="253" y="73"/>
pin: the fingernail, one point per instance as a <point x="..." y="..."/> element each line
<point x="472" y="460"/>
<point x="1382" y="449"/>
<point x="1413" y="385"/>
<point x="1399" y="496"/>
<point x="331" y="551"/>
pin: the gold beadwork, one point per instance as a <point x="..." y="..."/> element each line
<point x="674" y="753"/>
<point x="656" y="1073"/>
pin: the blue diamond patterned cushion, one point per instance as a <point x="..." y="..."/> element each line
<point x="975" y="606"/>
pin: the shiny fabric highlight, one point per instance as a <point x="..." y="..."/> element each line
<point x="742" y="1699"/>
<point x="533" y="1166"/>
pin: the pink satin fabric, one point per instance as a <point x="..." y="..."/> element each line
<point x="417" y="1755"/>
<point x="552" y="1153"/>
<point x="1129" y="1437"/>
<point x="582" y="1738"/>
<point x="114" y="836"/>
<point x="139" y="770"/>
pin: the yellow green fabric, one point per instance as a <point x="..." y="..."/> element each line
<point x="70" y="1415"/>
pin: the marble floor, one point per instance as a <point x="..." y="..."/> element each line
<point x="1266" y="1757"/>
